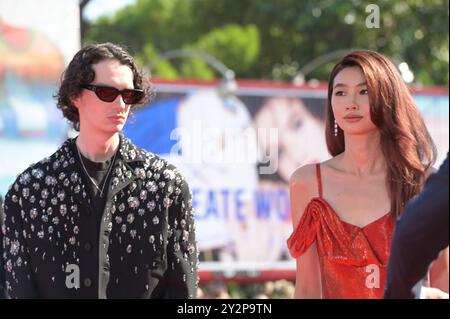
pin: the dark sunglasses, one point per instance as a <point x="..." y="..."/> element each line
<point x="109" y="94"/>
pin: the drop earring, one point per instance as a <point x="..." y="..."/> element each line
<point x="335" y="128"/>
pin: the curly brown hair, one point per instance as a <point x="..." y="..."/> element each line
<point x="80" y="72"/>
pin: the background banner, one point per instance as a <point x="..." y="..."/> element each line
<point x="238" y="152"/>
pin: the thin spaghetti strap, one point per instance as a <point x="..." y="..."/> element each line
<point x="319" y="179"/>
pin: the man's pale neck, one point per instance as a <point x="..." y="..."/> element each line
<point x="363" y="154"/>
<point x="97" y="148"/>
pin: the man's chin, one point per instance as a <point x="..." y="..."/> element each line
<point x="113" y="129"/>
<point x="117" y="128"/>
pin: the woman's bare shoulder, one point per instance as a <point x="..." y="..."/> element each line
<point x="303" y="175"/>
<point x="309" y="172"/>
<point x="302" y="189"/>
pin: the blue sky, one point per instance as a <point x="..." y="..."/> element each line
<point x="98" y="8"/>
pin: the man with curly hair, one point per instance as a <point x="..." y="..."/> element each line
<point x="100" y="218"/>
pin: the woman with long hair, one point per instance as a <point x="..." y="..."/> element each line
<point x="344" y="209"/>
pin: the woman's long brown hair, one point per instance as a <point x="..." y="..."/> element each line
<point x="405" y="142"/>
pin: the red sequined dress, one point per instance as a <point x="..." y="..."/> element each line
<point x="353" y="260"/>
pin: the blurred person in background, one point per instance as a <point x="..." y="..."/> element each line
<point x="344" y="209"/>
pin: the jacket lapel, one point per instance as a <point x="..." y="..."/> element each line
<point x="124" y="172"/>
<point x="66" y="167"/>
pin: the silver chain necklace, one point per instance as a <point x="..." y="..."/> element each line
<point x="92" y="180"/>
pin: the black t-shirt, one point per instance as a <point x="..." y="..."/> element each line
<point x="101" y="173"/>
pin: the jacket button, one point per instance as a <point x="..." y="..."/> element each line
<point x="87" y="282"/>
<point x="87" y="247"/>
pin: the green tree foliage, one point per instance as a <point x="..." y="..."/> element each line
<point x="276" y="39"/>
<point x="238" y="45"/>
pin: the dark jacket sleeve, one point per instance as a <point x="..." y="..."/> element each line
<point x="2" y="270"/>
<point x="18" y="273"/>
<point x="420" y="234"/>
<point x="182" y="253"/>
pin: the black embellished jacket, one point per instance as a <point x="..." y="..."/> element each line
<point x="2" y="271"/>
<point x="146" y="247"/>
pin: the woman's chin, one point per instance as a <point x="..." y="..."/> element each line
<point x="359" y="131"/>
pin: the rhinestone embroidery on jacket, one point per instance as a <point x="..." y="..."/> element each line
<point x="47" y="202"/>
